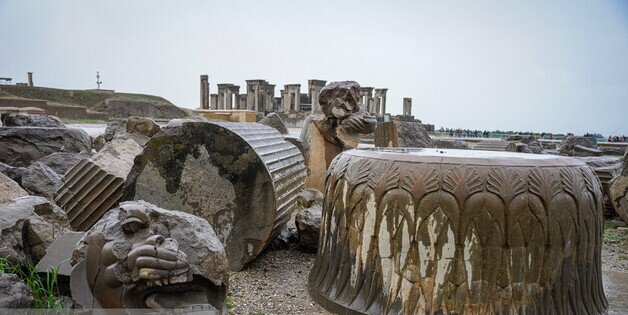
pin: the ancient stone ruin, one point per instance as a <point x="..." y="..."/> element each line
<point x="337" y="128"/>
<point x="241" y="177"/>
<point x="425" y="231"/>
<point x="142" y="256"/>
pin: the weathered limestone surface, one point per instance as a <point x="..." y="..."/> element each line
<point x="28" y="120"/>
<point x="308" y="222"/>
<point x="14" y="293"/>
<point x="40" y="180"/>
<point x="274" y="120"/>
<point x="9" y="189"/>
<point x="423" y="232"/>
<point x="61" y="162"/>
<point x="139" y="129"/>
<point x="141" y="256"/>
<point x="116" y="157"/>
<point x="241" y="177"/>
<point x="22" y="146"/>
<point x="618" y="191"/>
<point x="28" y="225"/>
<point x="402" y="134"/>
<point x="86" y="193"/>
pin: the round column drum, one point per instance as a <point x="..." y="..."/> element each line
<point x="419" y="231"/>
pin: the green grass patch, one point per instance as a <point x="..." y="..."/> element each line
<point x="44" y="288"/>
<point x="616" y="236"/>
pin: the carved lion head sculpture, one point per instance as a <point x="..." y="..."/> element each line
<point x="345" y="118"/>
<point x="141" y="256"/>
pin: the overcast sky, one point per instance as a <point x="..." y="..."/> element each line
<point x="553" y="66"/>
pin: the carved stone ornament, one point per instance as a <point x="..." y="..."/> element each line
<point x="141" y="256"/>
<point x="424" y="231"/>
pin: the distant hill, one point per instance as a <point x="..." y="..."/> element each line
<point x="116" y="105"/>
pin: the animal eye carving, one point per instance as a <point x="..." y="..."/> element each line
<point x="133" y="225"/>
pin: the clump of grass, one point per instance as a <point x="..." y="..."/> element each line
<point x="616" y="236"/>
<point x="230" y="305"/>
<point x="44" y="288"/>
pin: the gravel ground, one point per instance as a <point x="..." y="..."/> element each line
<point x="276" y="283"/>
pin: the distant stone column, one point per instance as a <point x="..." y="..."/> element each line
<point x="229" y="99"/>
<point x="213" y="101"/>
<point x="30" y="78"/>
<point x="384" y="102"/>
<point x="256" y="98"/>
<point x="407" y="106"/>
<point x="204" y="91"/>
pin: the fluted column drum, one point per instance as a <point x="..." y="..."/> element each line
<point x="418" y="231"/>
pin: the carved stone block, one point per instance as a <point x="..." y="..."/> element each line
<point x="424" y="231"/>
<point x="241" y="177"/>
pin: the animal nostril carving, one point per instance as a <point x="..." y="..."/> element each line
<point x="155" y="240"/>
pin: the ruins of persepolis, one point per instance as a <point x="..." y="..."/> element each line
<point x="260" y="97"/>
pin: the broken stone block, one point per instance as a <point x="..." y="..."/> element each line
<point x="414" y="231"/>
<point x="116" y="156"/>
<point x="28" y="225"/>
<point x="141" y="256"/>
<point x="30" y="120"/>
<point x="9" y="189"/>
<point x="618" y="190"/>
<point x="580" y="150"/>
<point x="605" y="168"/>
<point x="22" y="146"/>
<point x="520" y="147"/>
<point x="14" y="293"/>
<point x="61" y="162"/>
<point x="40" y="180"/>
<point x="532" y="145"/>
<point x="86" y="193"/>
<point x="142" y="125"/>
<point x="274" y="120"/>
<point x="310" y="197"/>
<point x="57" y="256"/>
<point x="241" y="177"/>
<point x="568" y="145"/>
<point x="14" y="173"/>
<point x="402" y="134"/>
<point x="308" y="222"/>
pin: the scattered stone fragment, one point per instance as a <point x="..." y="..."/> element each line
<point x="605" y="168"/>
<point x="309" y="197"/>
<point x="40" y="180"/>
<point x="9" y="189"/>
<point x="308" y="223"/>
<point x="402" y="134"/>
<point x="30" y="120"/>
<point x="532" y="145"/>
<point x="22" y="146"/>
<point x="580" y="150"/>
<point x="142" y="125"/>
<point x="28" y="225"/>
<point x="141" y="256"/>
<point x="14" y="293"/>
<point x="98" y="142"/>
<point x="61" y="162"/>
<point x="58" y="256"/>
<point x="274" y="120"/>
<point x="116" y="156"/>
<point x="515" y="146"/>
<point x="549" y="145"/>
<point x="241" y="177"/>
<point x="14" y="173"/>
<point x="568" y="146"/>
<point x="450" y="144"/>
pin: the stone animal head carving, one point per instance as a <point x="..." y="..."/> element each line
<point x="141" y="256"/>
<point x="345" y="118"/>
